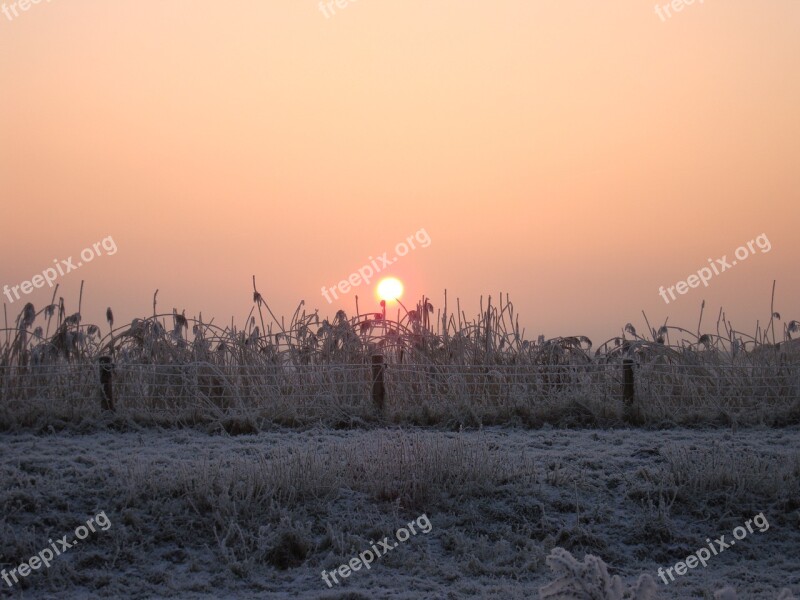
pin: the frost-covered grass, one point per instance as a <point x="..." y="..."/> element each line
<point x="442" y="370"/>
<point x="196" y="515"/>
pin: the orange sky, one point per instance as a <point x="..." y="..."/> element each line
<point x="575" y="154"/>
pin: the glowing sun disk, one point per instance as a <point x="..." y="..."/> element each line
<point x="390" y="289"/>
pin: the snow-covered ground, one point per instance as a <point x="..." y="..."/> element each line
<point x="260" y="516"/>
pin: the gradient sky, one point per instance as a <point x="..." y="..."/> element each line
<point x="575" y="154"/>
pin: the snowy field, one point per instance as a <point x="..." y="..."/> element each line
<point x="195" y="515"/>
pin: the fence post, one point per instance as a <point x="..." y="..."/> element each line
<point x="106" y="383"/>
<point x="628" y="391"/>
<point x="378" y="388"/>
<point x="632" y="410"/>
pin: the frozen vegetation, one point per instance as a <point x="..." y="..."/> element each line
<point x="242" y="463"/>
<point x="574" y="513"/>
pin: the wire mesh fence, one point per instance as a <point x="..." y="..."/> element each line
<point x="415" y="392"/>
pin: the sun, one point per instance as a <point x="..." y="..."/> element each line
<point x="390" y="289"/>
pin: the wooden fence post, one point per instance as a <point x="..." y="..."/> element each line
<point x="628" y="391"/>
<point x="631" y="410"/>
<point x="378" y="388"/>
<point x="106" y="383"/>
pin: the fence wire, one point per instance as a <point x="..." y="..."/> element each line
<point x="171" y="387"/>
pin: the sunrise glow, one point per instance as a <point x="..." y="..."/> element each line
<point x="390" y="289"/>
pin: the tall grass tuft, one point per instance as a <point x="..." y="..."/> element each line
<point x="442" y="369"/>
